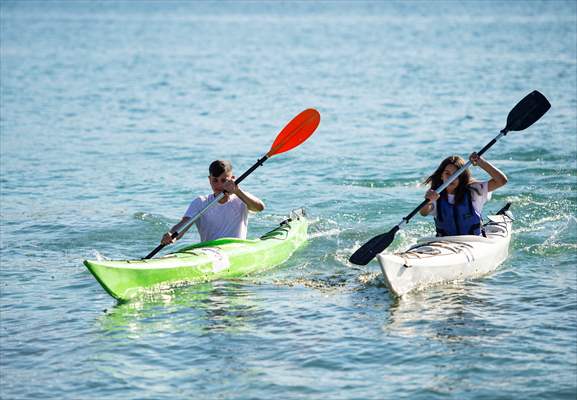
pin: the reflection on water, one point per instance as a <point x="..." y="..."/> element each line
<point x="459" y="312"/>
<point x="215" y="306"/>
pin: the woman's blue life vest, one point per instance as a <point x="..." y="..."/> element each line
<point x="457" y="219"/>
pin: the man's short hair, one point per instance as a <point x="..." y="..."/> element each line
<point x="218" y="167"/>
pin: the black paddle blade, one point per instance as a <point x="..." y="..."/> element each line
<point x="369" y="250"/>
<point x="527" y="112"/>
<point x="504" y="209"/>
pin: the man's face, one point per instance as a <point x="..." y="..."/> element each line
<point x="217" y="182"/>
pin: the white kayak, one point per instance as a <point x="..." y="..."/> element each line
<point x="436" y="260"/>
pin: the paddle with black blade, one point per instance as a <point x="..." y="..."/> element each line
<point x="523" y="115"/>
<point x="293" y="134"/>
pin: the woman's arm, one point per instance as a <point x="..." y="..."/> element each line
<point x="498" y="178"/>
<point x="432" y="196"/>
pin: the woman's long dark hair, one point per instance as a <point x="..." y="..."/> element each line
<point x="464" y="179"/>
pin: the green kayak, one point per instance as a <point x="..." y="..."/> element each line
<point x="217" y="259"/>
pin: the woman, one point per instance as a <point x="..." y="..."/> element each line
<point x="458" y="209"/>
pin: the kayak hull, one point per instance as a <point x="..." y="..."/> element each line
<point x="224" y="258"/>
<point x="444" y="259"/>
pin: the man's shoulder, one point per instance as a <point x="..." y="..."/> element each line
<point x="200" y="201"/>
<point x="203" y="198"/>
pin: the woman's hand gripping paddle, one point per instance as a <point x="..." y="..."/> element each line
<point x="523" y="115"/>
<point x="293" y="134"/>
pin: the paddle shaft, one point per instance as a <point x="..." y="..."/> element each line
<point x="189" y="224"/>
<point x="452" y="178"/>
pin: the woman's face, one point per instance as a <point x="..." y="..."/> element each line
<point x="449" y="170"/>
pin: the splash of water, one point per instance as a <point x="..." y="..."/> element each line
<point x="330" y="232"/>
<point x="99" y="256"/>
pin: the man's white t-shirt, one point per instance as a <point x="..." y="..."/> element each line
<point x="221" y="220"/>
<point x="478" y="199"/>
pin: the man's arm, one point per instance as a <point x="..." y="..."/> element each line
<point x="167" y="238"/>
<point x="252" y="202"/>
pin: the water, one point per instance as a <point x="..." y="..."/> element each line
<point x="112" y="111"/>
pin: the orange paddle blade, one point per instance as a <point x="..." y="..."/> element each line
<point x="296" y="132"/>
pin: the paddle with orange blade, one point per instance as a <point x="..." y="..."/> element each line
<point x="299" y="129"/>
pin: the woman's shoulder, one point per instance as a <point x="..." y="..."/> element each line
<point x="479" y="185"/>
<point x="479" y="189"/>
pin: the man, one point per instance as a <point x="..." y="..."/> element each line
<point x="227" y="218"/>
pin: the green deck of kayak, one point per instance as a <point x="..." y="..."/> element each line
<point x="218" y="259"/>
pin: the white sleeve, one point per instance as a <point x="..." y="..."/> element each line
<point x="479" y="199"/>
<point x="194" y="207"/>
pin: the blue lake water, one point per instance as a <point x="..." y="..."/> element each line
<point x="112" y="111"/>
